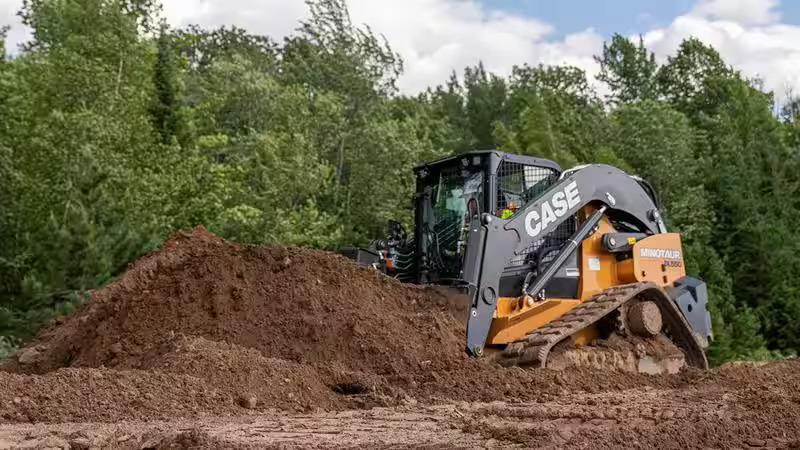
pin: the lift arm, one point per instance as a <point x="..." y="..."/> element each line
<point x="493" y="242"/>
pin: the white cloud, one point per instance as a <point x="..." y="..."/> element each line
<point x="436" y="37"/>
<point x="433" y="36"/>
<point x="276" y="18"/>
<point x="770" y="52"/>
<point x="754" y="12"/>
<point x="8" y="16"/>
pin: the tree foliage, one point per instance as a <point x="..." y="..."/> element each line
<point x="116" y="133"/>
<point x="628" y="69"/>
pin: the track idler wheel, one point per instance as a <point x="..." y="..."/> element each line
<point x="644" y="319"/>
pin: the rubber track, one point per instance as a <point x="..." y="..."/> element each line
<point x="534" y="348"/>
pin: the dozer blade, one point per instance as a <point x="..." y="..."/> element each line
<point x="667" y="351"/>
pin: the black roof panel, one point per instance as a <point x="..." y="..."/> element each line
<point x="522" y="159"/>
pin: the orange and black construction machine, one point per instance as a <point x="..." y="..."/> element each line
<point x="555" y="266"/>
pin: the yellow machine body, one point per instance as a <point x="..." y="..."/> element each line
<point x="657" y="259"/>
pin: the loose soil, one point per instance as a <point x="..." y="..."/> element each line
<point x="212" y="344"/>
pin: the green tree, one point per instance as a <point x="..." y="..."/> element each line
<point x="447" y="105"/>
<point x="537" y="133"/>
<point x="201" y="48"/>
<point x="684" y="79"/>
<point x="265" y="176"/>
<point x="557" y="116"/>
<point x="628" y="69"/>
<point x="89" y="188"/>
<point x="485" y="105"/>
<point x="754" y="184"/>
<point x="168" y="115"/>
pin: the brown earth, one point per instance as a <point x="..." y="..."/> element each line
<point x="280" y="346"/>
<point x="299" y="305"/>
<point x="739" y="406"/>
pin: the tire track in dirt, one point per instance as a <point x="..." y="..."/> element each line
<point x="639" y="418"/>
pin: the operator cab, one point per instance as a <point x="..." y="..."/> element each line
<point x="452" y="190"/>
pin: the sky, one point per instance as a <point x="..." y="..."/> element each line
<point x="435" y="37"/>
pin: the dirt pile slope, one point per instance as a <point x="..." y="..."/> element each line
<point x="297" y="305"/>
<point x="231" y="327"/>
<point x="253" y="327"/>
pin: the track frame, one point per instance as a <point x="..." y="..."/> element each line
<point x="534" y="349"/>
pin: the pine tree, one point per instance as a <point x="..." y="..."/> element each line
<point x="167" y="116"/>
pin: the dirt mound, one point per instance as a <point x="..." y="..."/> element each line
<point x="262" y="327"/>
<point x="306" y="306"/>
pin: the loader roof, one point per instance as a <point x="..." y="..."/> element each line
<point x="522" y="159"/>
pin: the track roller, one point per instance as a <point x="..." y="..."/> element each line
<point x="644" y="319"/>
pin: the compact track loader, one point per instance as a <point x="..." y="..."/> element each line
<point x="557" y="267"/>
